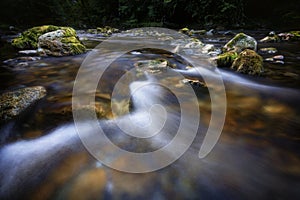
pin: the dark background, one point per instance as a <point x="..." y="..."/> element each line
<point x="272" y="14"/>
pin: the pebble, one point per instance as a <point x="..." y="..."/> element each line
<point x="278" y="57"/>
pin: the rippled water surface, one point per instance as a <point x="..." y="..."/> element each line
<point x="256" y="157"/>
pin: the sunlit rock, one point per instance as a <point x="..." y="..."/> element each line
<point x="240" y="42"/>
<point x="29" y="38"/>
<point x="14" y="102"/>
<point x="248" y="62"/>
<point x="60" y="43"/>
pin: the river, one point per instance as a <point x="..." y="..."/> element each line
<point x="256" y="157"/>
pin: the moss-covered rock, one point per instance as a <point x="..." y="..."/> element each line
<point x="29" y="38"/>
<point x="13" y="103"/>
<point x="107" y="30"/>
<point x="60" y="43"/>
<point x="226" y="59"/>
<point x="240" y="42"/>
<point x="248" y="62"/>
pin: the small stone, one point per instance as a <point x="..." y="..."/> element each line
<point x="269" y="59"/>
<point x="22" y="64"/>
<point x="279" y="62"/>
<point x="28" y="52"/>
<point x="278" y="57"/>
<point x="268" y="50"/>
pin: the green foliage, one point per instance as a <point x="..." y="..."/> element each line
<point x="93" y="13"/>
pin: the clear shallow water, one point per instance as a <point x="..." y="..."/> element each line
<point x="257" y="155"/>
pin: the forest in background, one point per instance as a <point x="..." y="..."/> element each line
<point x="137" y="13"/>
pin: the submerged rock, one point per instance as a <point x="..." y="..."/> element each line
<point x="240" y="42"/>
<point x="60" y="43"/>
<point x="248" y="62"/>
<point x="13" y="103"/>
<point x="151" y="66"/>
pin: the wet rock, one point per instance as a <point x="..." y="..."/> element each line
<point x="208" y="48"/>
<point x="107" y="30"/>
<point x="29" y="38"/>
<point x="268" y="50"/>
<point x="290" y="36"/>
<point x="20" y="62"/>
<point x="226" y="59"/>
<point x="211" y="32"/>
<point x="192" y="32"/>
<point x="152" y="66"/>
<point x="272" y="37"/>
<point x="278" y="59"/>
<point x="28" y="52"/>
<point x="185" y="31"/>
<point x="194" y="83"/>
<point x="60" y="43"/>
<point x="240" y="42"/>
<point x="197" y="32"/>
<point x="248" y="62"/>
<point x="14" y="102"/>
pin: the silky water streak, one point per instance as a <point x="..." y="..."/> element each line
<point x="153" y="117"/>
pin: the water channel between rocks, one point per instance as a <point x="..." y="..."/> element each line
<point x="257" y="155"/>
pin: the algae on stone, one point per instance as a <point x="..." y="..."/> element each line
<point x="248" y="62"/>
<point x="60" y="43"/>
<point x="29" y="38"/>
<point x="226" y="59"/>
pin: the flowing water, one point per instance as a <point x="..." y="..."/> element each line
<point x="257" y="155"/>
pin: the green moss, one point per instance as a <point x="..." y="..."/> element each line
<point x="29" y="38"/>
<point x="107" y="30"/>
<point x="77" y="48"/>
<point x="71" y="39"/>
<point x="226" y="59"/>
<point x="248" y="62"/>
<point x="184" y="30"/>
<point x="296" y="34"/>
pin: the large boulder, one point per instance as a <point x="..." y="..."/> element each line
<point x="14" y="102"/>
<point x="240" y="42"/>
<point x="60" y="43"/>
<point x="29" y="38"/>
<point x="248" y="62"/>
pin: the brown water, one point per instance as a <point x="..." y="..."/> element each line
<point x="257" y="155"/>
